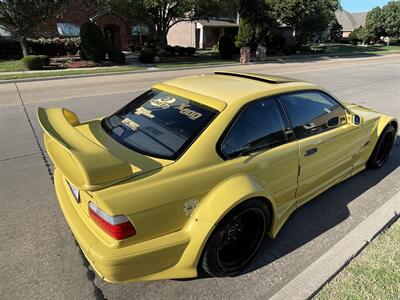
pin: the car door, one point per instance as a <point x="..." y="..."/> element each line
<point x="258" y="143"/>
<point x="326" y="140"/>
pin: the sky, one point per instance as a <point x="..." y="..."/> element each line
<point x="362" y="5"/>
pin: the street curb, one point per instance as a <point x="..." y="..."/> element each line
<point x="281" y="60"/>
<point x="309" y="282"/>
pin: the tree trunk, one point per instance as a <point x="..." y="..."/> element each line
<point x="162" y="38"/>
<point x="24" y="46"/>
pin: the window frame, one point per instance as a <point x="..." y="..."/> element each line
<point x="287" y="131"/>
<point x="346" y="110"/>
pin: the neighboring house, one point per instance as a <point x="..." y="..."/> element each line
<point x="203" y="33"/>
<point x="119" y="32"/>
<point x="350" y="21"/>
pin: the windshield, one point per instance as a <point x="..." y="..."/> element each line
<point x="159" y="124"/>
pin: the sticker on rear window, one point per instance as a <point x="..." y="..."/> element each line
<point x="164" y="103"/>
<point x="132" y="125"/>
<point x="191" y="114"/>
<point x="145" y="112"/>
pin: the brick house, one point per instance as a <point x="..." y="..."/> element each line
<point x="202" y="34"/>
<point x="350" y="21"/>
<point x="118" y="31"/>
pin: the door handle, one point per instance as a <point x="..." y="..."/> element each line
<point x="311" y="151"/>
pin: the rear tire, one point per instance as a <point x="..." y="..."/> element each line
<point x="382" y="148"/>
<point x="236" y="239"/>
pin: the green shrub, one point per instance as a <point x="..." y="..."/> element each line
<point x="169" y="50"/>
<point x="93" y="43"/>
<point x="180" y="50"/>
<point x="227" y="47"/>
<point x="117" y="57"/>
<point x="190" y="51"/>
<point x="147" y="56"/>
<point x="10" y="49"/>
<point x="32" y="62"/>
<point x="395" y="42"/>
<point x="81" y="55"/>
<point x="343" y="40"/>
<point x="45" y="60"/>
<point x="357" y="35"/>
<point x="54" y="46"/>
<point x="134" y="47"/>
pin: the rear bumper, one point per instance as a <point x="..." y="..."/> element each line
<point x="153" y="259"/>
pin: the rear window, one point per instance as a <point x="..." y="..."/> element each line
<point x="159" y="124"/>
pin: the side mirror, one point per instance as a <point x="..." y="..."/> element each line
<point x="356" y="119"/>
<point x="333" y="122"/>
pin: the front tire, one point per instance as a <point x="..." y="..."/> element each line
<point x="382" y="148"/>
<point x="236" y="239"/>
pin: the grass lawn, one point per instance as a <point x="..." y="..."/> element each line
<point x="70" y="72"/>
<point x="337" y="49"/>
<point x="11" y="66"/>
<point x="375" y="274"/>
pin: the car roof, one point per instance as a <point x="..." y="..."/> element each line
<point x="227" y="88"/>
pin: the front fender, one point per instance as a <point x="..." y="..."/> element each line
<point x="384" y="120"/>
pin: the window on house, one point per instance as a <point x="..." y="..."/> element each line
<point x="140" y="30"/>
<point x="4" y="32"/>
<point x="68" y="29"/>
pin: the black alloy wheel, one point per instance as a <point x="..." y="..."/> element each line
<point x="383" y="148"/>
<point x="236" y="239"/>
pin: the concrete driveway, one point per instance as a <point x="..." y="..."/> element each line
<point x="38" y="256"/>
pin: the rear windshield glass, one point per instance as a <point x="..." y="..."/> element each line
<point x="159" y="124"/>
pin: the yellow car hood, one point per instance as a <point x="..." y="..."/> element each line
<point x="88" y="161"/>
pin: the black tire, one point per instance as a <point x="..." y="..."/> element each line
<point x="236" y="239"/>
<point x="382" y="148"/>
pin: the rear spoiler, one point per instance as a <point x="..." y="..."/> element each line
<point x="84" y="163"/>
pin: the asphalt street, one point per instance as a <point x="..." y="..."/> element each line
<point x="38" y="256"/>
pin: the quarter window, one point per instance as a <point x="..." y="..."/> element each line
<point x="259" y="126"/>
<point x="312" y="112"/>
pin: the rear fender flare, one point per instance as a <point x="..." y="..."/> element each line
<point x="213" y="207"/>
<point x="235" y="190"/>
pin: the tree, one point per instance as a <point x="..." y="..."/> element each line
<point x="391" y="18"/>
<point x="375" y="25"/>
<point x="21" y="17"/>
<point x="163" y="14"/>
<point x="93" y="43"/>
<point x="306" y="17"/>
<point x="246" y="34"/>
<point x="335" y="31"/>
<point x="258" y="19"/>
<point x="358" y="35"/>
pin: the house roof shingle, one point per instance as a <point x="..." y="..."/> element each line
<point x="351" y="21"/>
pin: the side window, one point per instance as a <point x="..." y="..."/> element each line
<point x="312" y="112"/>
<point x="259" y="126"/>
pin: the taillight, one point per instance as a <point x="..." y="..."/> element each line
<point x="119" y="227"/>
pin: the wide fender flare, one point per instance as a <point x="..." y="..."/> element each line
<point x="383" y="122"/>
<point x="228" y="194"/>
<point x="213" y="207"/>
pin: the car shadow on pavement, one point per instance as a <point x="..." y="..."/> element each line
<point x="322" y="213"/>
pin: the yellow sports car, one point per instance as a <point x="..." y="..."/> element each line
<point x="196" y="171"/>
